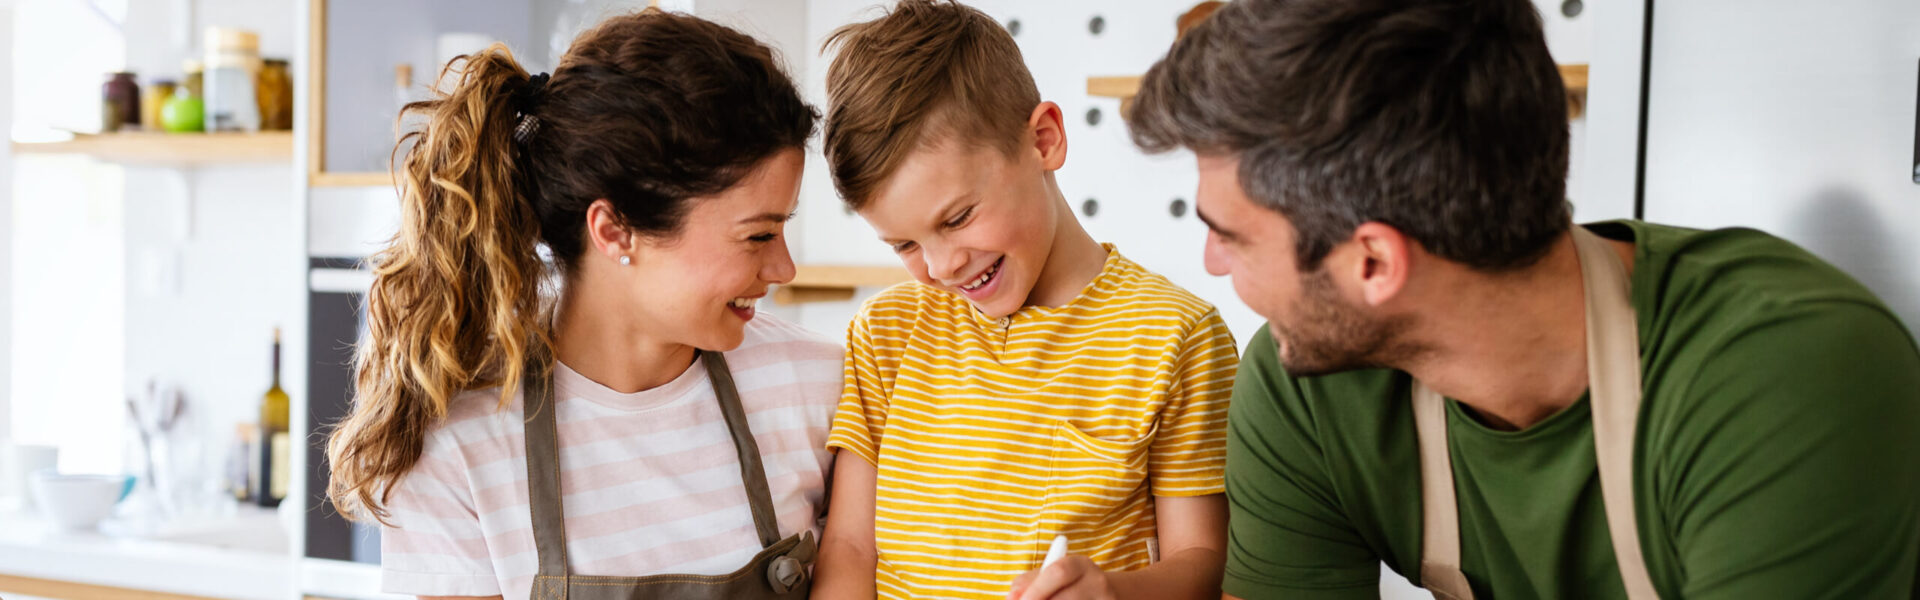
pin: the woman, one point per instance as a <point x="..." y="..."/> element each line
<point x="519" y="443"/>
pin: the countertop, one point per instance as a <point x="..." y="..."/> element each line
<point x="245" y="556"/>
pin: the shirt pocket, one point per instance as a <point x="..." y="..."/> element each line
<point x="1092" y="482"/>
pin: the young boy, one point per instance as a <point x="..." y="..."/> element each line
<point x="1032" y="382"/>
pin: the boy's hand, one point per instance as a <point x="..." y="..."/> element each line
<point x="1074" y="577"/>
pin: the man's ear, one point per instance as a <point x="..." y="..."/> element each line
<point x="1049" y="135"/>
<point x="1385" y="262"/>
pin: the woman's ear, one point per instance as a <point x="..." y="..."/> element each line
<point x="608" y="233"/>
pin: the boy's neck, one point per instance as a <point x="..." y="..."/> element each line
<point x="1073" y="261"/>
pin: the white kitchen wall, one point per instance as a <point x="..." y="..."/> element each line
<point x="214" y="256"/>
<point x="1800" y="124"/>
<point x="6" y="247"/>
<point x="65" y="336"/>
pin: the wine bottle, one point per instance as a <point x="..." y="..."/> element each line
<point x="274" y="440"/>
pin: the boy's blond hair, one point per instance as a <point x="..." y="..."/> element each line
<point x="928" y="71"/>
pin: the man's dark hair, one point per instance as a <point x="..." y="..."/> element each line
<point x="1445" y="119"/>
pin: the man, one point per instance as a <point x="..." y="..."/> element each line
<point x="1457" y="381"/>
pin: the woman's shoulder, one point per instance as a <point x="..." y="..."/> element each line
<point x="767" y="334"/>
<point x="473" y="415"/>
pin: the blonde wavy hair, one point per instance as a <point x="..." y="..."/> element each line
<point x="436" y="324"/>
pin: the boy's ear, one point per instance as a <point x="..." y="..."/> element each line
<point x="1049" y="135"/>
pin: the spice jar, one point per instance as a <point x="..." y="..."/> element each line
<point x="275" y="89"/>
<point x="152" y="99"/>
<point x="194" y="70"/>
<point x="233" y="59"/>
<point x="119" y="103"/>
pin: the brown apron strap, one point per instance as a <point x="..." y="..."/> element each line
<point x="543" y="471"/>
<point x="751" y="472"/>
<point x="1440" y="517"/>
<point x="785" y="572"/>
<point x="1613" y="374"/>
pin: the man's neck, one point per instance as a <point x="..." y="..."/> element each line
<point x="1510" y="346"/>
<point x="604" y="343"/>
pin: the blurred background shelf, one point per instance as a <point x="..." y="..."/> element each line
<point x="1125" y="87"/>
<point x="172" y="149"/>
<point x="349" y="179"/>
<point x="833" y="283"/>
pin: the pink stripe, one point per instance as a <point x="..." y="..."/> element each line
<point x="509" y="443"/>
<point x="575" y="481"/>
<point x="406" y="541"/>
<point x="435" y="506"/>
<point x="686" y="551"/>
<point x="638" y="516"/>
<point x="754" y="357"/>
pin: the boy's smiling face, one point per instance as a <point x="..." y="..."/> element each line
<point x="973" y="220"/>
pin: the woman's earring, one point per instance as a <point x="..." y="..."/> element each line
<point x="626" y="260"/>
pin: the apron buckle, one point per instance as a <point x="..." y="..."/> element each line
<point x="784" y="574"/>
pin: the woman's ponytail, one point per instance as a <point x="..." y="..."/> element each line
<point x="457" y="300"/>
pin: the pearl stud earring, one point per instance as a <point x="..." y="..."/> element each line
<point x="626" y="260"/>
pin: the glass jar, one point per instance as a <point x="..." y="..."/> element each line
<point x="195" y="70"/>
<point x="152" y="99"/>
<point x="233" y="63"/>
<point x="119" y="103"/>
<point x="275" y="88"/>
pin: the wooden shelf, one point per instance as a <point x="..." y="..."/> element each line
<point x="333" y="179"/>
<point x="1125" y="87"/>
<point x="173" y="149"/>
<point x="1574" y="77"/>
<point x="833" y="283"/>
<point x="1119" y="86"/>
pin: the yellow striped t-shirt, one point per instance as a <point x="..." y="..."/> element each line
<point x="990" y="436"/>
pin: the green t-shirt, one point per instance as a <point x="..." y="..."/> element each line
<point x="1777" y="454"/>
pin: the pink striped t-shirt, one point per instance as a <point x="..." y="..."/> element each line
<point x="651" y="481"/>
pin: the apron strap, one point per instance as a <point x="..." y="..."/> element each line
<point x="1440" y="517"/>
<point x="543" y="470"/>
<point x="751" y="472"/>
<point x="1613" y="374"/>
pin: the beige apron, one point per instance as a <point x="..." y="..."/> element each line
<point x="778" y="571"/>
<point x="1613" y="373"/>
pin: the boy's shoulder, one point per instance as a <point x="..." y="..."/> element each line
<point x="1130" y="286"/>
<point x="908" y="301"/>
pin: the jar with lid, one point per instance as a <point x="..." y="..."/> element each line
<point x="275" y="88"/>
<point x="152" y="99"/>
<point x="119" y="103"/>
<point x="233" y="61"/>
<point x="194" y="70"/>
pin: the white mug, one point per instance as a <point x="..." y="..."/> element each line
<point x="28" y="458"/>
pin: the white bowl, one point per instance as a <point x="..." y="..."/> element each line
<point x="76" y="502"/>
